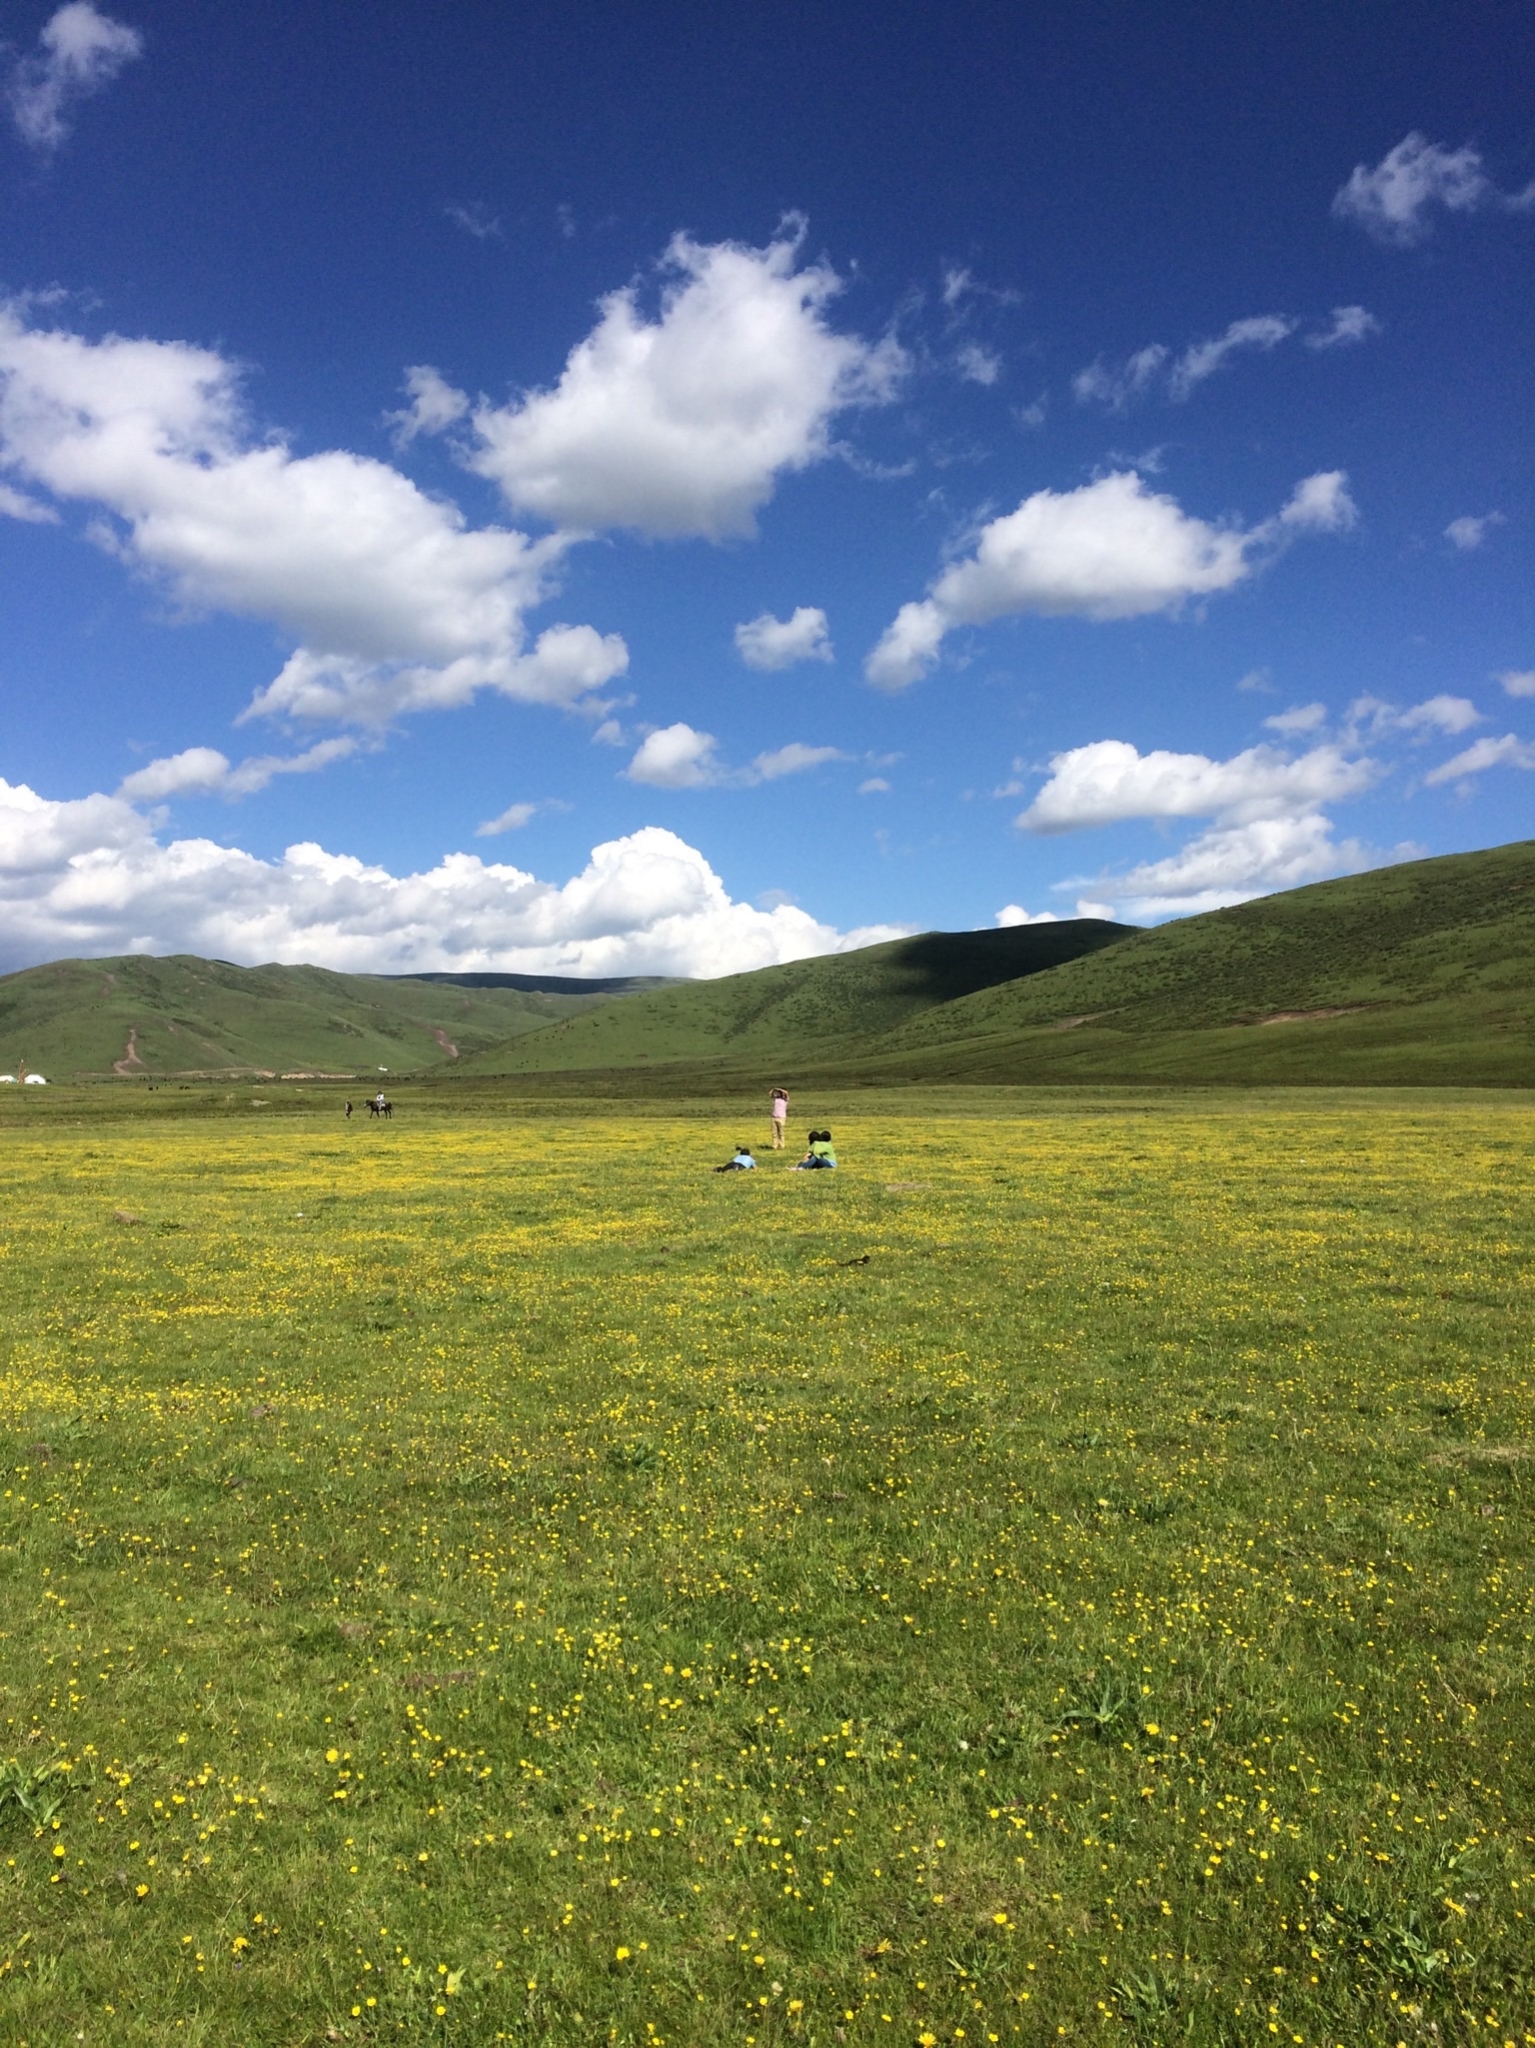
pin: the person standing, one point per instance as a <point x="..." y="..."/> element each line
<point x="778" y="1110"/>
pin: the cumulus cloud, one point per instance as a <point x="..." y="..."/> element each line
<point x="434" y="405"/>
<point x="1507" y="752"/>
<point x="1397" y="200"/>
<point x="92" y="877"/>
<point x="769" y="643"/>
<point x="1302" y="718"/>
<point x="1467" y="534"/>
<point x="395" y="602"/>
<point x="1518" y="682"/>
<point x="1108" y="781"/>
<point x="1349" y="324"/>
<point x="1014" y="914"/>
<point x="17" y="505"/>
<point x="1203" y="358"/>
<point x="793" y="759"/>
<point x="79" y="51"/>
<point x="1373" y="718"/>
<point x="1113" y="549"/>
<point x="678" y="757"/>
<point x="1232" y="863"/>
<point x="977" y="364"/>
<point x="1320" y="504"/>
<point x="204" y="771"/>
<point x="683" y="424"/>
<point x="512" y="819"/>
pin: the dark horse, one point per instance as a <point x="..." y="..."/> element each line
<point x="380" y="1108"/>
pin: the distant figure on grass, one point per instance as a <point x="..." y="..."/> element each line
<point x="820" y="1153"/>
<point x="349" y="1112"/>
<point x="740" y="1164"/>
<point x="778" y="1110"/>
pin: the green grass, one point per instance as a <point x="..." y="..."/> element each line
<point x="74" y="1018"/>
<point x="1065" y="1576"/>
<point x="808" y="1009"/>
<point x="1422" y="973"/>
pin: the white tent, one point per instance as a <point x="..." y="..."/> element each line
<point x="37" y="1080"/>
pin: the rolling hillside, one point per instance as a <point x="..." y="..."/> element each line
<point x="836" y="1004"/>
<point x="1419" y="973"/>
<point x="1422" y="972"/>
<point x="139" y="1017"/>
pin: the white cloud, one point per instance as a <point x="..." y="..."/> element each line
<point x="1395" y="203"/>
<point x="682" y="425"/>
<point x="1518" y="682"/>
<point x="1507" y="752"/>
<point x="17" y="505"/>
<point x="434" y="405"/>
<point x="1442" y="714"/>
<point x="1303" y="718"/>
<point x="1104" y="384"/>
<point x="1349" y="324"/>
<point x="1203" y="358"/>
<point x="91" y="877"/>
<point x="1320" y="504"/>
<point x="475" y="219"/>
<point x="81" y="51"/>
<point x="1257" y="682"/>
<point x="1232" y="863"/>
<point x="512" y="819"/>
<point x="1468" y="533"/>
<point x="396" y="604"/>
<point x="677" y="757"/>
<point x="978" y="365"/>
<point x="1115" y="388"/>
<point x="769" y="643"/>
<point x="1108" y="781"/>
<point x="1109" y="550"/>
<point x="204" y="771"/>
<point x="1014" y="914"/>
<point x="1372" y="717"/>
<point x="876" y="785"/>
<point x="794" y="759"/>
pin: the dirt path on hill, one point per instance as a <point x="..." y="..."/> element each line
<point x="130" y="1063"/>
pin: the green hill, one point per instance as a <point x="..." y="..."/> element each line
<point x="1423" y="972"/>
<point x="831" y="1006"/>
<point x="141" y="1017"/>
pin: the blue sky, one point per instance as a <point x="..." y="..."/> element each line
<point x="608" y="489"/>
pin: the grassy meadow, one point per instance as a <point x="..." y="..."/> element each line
<point x="1065" y="1576"/>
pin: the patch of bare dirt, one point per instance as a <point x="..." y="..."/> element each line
<point x="130" y="1063"/>
<point x="1311" y="1016"/>
<point x="445" y="1042"/>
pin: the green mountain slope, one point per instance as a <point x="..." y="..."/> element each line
<point x="1414" y="973"/>
<point x="837" y="1003"/>
<point x="139" y="1017"/>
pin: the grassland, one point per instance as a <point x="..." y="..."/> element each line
<point x="1421" y="973"/>
<point x="806" y="1009"/>
<point x="1065" y="1576"/>
<point x="144" y="1018"/>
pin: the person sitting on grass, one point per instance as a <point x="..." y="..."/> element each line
<point x="819" y="1154"/>
<point x="740" y="1163"/>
